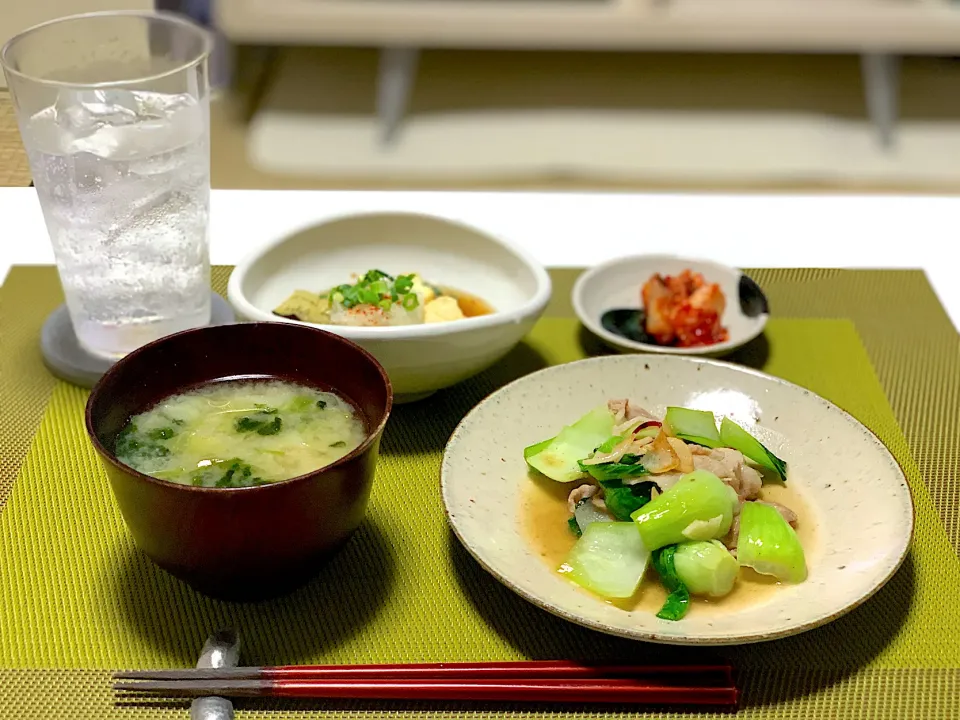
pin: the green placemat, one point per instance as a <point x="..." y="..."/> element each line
<point x="78" y="600"/>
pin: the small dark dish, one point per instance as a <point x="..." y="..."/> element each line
<point x="253" y="542"/>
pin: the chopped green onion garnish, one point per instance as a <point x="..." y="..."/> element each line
<point x="404" y="283"/>
<point x="378" y="289"/>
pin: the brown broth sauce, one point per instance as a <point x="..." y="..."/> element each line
<point x="543" y="517"/>
<point x="470" y="305"/>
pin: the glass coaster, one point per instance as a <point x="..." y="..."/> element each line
<point x="64" y="357"/>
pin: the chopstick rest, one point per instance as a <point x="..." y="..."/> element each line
<point x="221" y="650"/>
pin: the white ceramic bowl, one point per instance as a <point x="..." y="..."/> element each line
<point x="853" y="501"/>
<point x="419" y="359"/>
<point x="617" y="283"/>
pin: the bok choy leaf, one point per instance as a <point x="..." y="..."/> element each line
<point x="623" y="500"/>
<point x="696" y="426"/>
<point x="734" y="436"/>
<point x="678" y="599"/>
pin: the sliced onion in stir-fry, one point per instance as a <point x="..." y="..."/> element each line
<point x="684" y="454"/>
<point x="650" y="431"/>
<point x="627" y="446"/>
<point x="634" y="425"/>
<point x="628" y="426"/>
<point x="615" y="454"/>
<point x="660" y="456"/>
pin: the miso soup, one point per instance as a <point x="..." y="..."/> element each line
<point x="240" y="433"/>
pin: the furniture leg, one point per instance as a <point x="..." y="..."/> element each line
<point x="881" y="84"/>
<point x="395" y="78"/>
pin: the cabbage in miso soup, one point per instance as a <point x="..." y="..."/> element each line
<point x="240" y="433"/>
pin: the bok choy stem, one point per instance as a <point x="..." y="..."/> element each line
<point x="769" y="545"/>
<point x="609" y="559"/>
<point x="706" y="567"/>
<point x="698" y="507"/>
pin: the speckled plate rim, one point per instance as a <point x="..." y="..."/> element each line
<point x="652" y="637"/>
<point x="625" y="344"/>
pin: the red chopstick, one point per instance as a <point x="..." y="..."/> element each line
<point x="532" y="669"/>
<point x="539" y="681"/>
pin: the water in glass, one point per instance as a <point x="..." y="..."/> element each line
<point x="123" y="179"/>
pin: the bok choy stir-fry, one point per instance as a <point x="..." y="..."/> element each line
<point x="680" y="494"/>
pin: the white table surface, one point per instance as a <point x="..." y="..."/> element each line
<point x="582" y="229"/>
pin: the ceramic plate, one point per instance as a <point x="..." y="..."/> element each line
<point x="856" y="513"/>
<point x="616" y="284"/>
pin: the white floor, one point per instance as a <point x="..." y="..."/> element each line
<point x="477" y="116"/>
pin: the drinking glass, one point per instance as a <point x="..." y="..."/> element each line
<point x="113" y="110"/>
